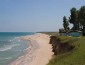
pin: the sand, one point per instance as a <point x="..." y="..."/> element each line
<point x="39" y="52"/>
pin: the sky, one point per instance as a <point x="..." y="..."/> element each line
<point x="35" y="15"/>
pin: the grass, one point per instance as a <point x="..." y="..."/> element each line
<point x="74" y="57"/>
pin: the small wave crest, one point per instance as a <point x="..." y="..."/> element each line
<point x="8" y="58"/>
<point x="8" y="47"/>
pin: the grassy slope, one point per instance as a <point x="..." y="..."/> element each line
<point x="75" y="57"/>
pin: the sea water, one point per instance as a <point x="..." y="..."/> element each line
<point x="11" y="47"/>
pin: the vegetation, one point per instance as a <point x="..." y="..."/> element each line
<point x="65" y="24"/>
<point x="59" y="47"/>
<point x="70" y="50"/>
<point x="77" y="18"/>
<point x="74" y="19"/>
<point x="73" y="57"/>
<point x="82" y="18"/>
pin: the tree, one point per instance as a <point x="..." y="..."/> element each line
<point x="61" y="30"/>
<point x="82" y="18"/>
<point x="74" y="18"/>
<point x="65" y="24"/>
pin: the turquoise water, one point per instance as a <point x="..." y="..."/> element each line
<point x="11" y="47"/>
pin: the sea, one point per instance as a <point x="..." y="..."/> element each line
<point x="11" y="47"/>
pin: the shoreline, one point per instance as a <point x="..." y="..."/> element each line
<point x="39" y="52"/>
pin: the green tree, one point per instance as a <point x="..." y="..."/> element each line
<point x="65" y="24"/>
<point x="82" y="17"/>
<point x="74" y="18"/>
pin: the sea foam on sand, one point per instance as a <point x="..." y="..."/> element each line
<point x="39" y="52"/>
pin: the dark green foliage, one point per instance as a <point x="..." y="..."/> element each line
<point x="74" y="19"/>
<point x="82" y="18"/>
<point x="65" y="24"/>
<point x="61" y="30"/>
<point x="77" y="18"/>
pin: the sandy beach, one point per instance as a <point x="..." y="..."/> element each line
<point x="39" y="51"/>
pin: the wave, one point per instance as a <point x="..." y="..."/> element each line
<point x="8" y="47"/>
<point x="8" y="58"/>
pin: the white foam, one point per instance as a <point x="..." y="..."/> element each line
<point x="5" y="49"/>
<point x="8" y="47"/>
<point x="10" y="40"/>
<point x="8" y="58"/>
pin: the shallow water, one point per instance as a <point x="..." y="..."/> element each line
<point x="11" y="47"/>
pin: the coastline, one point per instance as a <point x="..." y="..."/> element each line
<point x="39" y="52"/>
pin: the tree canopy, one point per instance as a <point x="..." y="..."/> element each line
<point x="65" y="23"/>
<point x="77" y="18"/>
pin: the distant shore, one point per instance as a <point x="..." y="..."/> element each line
<point x="39" y="51"/>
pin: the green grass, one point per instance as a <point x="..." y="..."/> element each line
<point x="74" y="57"/>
